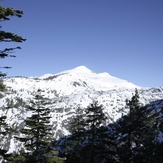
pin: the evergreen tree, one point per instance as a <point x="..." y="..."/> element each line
<point x="134" y="132"/>
<point x="95" y="118"/>
<point x="37" y="130"/>
<point x="83" y="145"/>
<point x="127" y="128"/>
<point x="90" y="141"/>
<point x="77" y="122"/>
<point x="153" y="143"/>
<point x="6" y="37"/>
<point x="71" y="149"/>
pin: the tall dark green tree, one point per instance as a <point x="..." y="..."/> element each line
<point x="73" y="143"/>
<point x="95" y="118"/>
<point x="37" y="131"/>
<point x="83" y="144"/>
<point x="90" y="140"/>
<point x="77" y="122"/>
<point x="128" y="126"/>
<point x="37" y="135"/>
<point x="153" y="144"/>
<point x="134" y="131"/>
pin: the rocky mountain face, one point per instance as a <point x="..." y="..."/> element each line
<point x="66" y="92"/>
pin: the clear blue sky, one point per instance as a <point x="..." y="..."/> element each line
<point x="121" y="37"/>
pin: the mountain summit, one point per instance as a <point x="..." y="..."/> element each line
<point x="79" y="69"/>
<point x="98" y="81"/>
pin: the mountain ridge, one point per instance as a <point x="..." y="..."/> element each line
<point x="67" y="91"/>
<point x="85" y="72"/>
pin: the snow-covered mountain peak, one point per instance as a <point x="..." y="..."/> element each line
<point x="98" y="81"/>
<point x="79" y="69"/>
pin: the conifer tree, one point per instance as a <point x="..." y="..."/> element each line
<point x="37" y="135"/>
<point x="108" y="142"/>
<point x="95" y="118"/>
<point x="83" y="145"/>
<point x="127" y="127"/>
<point x="91" y="140"/>
<point x="74" y="142"/>
<point x="37" y="130"/>
<point x="133" y="130"/>
<point x="7" y="37"/>
<point x="77" y="122"/>
<point x="153" y="144"/>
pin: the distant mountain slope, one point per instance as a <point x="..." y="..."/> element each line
<point x="67" y="91"/>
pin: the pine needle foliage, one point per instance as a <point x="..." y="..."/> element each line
<point x="37" y="131"/>
<point x="8" y="37"/>
<point x="136" y="132"/>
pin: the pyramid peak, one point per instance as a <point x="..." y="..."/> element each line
<point x="82" y="69"/>
<point x="79" y="69"/>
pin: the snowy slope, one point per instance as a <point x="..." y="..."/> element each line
<point x="101" y="81"/>
<point x="67" y="91"/>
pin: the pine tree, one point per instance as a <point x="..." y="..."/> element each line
<point x="83" y="145"/>
<point x="127" y="127"/>
<point x="95" y="118"/>
<point x="90" y="140"/>
<point x="133" y="131"/>
<point x="7" y="37"/>
<point x="38" y="135"/>
<point x="37" y="130"/>
<point x="77" y="122"/>
<point x="77" y="137"/>
<point x="153" y="145"/>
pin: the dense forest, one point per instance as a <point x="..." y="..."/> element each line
<point x="133" y="138"/>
